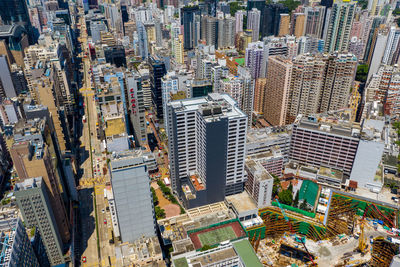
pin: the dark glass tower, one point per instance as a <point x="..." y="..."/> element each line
<point x="157" y="71"/>
<point x="270" y="18"/>
<point x="16" y="12"/>
<point x="191" y="26"/>
<point x="211" y="7"/>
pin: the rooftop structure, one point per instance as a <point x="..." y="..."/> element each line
<point x="235" y="253"/>
<point x="175" y="229"/>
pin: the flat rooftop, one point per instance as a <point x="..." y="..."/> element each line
<point x="115" y="127"/>
<point x="242" y="202"/>
<point x="329" y="172"/>
<point x="246" y="253"/>
<point x="228" y="104"/>
<point x="257" y="169"/>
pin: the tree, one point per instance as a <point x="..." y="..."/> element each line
<point x="155" y="198"/>
<point x="285" y="197"/>
<point x="205" y="247"/>
<point x="234" y="7"/>
<point x="362" y="73"/>
<point x="160" y="213"/>
<point x="290" y="188"/>
<point x="296" y="200"/>
<point x="290" y="4"/>
<point x="363" y="4"/>
<point x="277" y="186"/>
<point x="303" y="205"/>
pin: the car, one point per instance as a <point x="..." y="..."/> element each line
<point x="84" y="259"/>
<point x="102" y="211"/>
<point x="105" y="221"/>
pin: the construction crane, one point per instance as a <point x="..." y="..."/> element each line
<point x="302" y="240"/>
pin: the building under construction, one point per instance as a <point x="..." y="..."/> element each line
<point x="338" y="219"/>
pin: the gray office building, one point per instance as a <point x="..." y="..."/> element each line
<point x="33" y="201"/>
<point x="206" y="148"/>
<point x="133" y="199"/>
<point x="15" y="246"/>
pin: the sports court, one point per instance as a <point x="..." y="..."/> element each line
<point x="217" y="234"/>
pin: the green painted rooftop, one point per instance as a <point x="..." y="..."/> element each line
<point x="246" y="253"/>
<point x="309" y="192"/>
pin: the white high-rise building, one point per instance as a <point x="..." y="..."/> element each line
<point x="207" y="138"/>
<point x="240" y="14"/>
<point x="253" y="23"/>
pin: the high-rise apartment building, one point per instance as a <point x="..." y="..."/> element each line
<point x="130" y="183"/>
<point x="239" y="16"/>
<point x="226" y="32"/>
<point x="307" y="85"/>
<point x="391" y="53"/>
<point x="253" y="23"/>
<point x="383" y="87"/>
<point x="277" y="90"/>
<point x="206" y="148"/>
<point x="339" y="26"/>
<point x="33" y="200"/>
<point x="255" y="59"/>
<point x="284" y="25"/>
<point x="298" y="24"/>
<point x="157" y="71"/>
<point x="190" y="19"/>
<point x="314" y="21"/>
<point x="377" y="49"/>
<point x="178" y="49"/>
<point x="259" y="93"/>
<point x="209" y="30"/>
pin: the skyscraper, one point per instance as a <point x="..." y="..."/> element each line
<point x="33" y="200"/>
<point x="157" y="71"/>
<point x="284" y="24"/>
<point x="136" y="107"/>
<point x="239" y="16"/>
<point x="211" y="7"/>
<point x="314" y="21"/>
<point x="253" y="23"/>
<point x="142" y="38"/>
<point x="259" y="4"/>
<point x="226" y="32"/>
<point x="191" y="26"/>
<point x="298" y="21"/>
<point x="339" y="26"/>
<point x="130" y="183"/>
<point x="16" y="246"/>
<point x="307" y="85"/>
<point x="277" y="90"/>
<point x="15" y="12"/>
<point x="255" y="58"/>
<point x="207" y="143"/>
<point x="209" y="30"/>
<point x="32" y="158"/>
<point x="271" y="19"/>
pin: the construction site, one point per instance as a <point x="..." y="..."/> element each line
<point x="353" y="231"/>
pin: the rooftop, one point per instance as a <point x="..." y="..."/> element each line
<point x="246" y="253"/>
<point x="115" y="127"/>
<point x="329" y="172"/>
<point x="308" y="192"/>
<point x="242" y="202"/>
<point x="228" y="106"/>
<point x="257" y="170"/>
